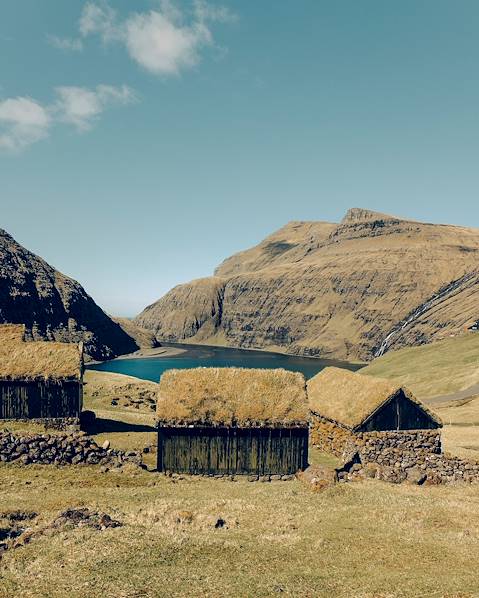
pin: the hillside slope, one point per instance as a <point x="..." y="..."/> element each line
<point x="145" y="339"/>
<point x="324" y="289"/>
<point x="440" y="368"/>
<point x="53" y="306"/>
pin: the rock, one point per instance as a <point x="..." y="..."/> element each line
<point x="84" y="518"/>
<point x="371" y="470"/>
<point x="106" y="445"/>
<point x="318" y="477"/>
<point x="415" y="476"/>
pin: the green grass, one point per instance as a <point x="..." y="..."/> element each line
<point x="430" y="370"/>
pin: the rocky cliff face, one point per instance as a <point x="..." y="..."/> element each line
<point x="332" y="290"/>
<point x="53" y="306"/>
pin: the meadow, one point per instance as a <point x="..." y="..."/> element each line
<point x="212" y="537"/>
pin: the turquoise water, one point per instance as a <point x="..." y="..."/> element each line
<point x="151" y="368"/>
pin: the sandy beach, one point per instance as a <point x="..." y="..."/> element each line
<point x="153" y="352"/>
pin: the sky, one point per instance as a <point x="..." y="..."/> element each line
<point x="143" y="142"/>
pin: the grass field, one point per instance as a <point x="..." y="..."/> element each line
<point x="430" y="370"/>
<point x="363" y="539"/>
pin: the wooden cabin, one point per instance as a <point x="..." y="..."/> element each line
<point x="344" y="404"/>
<point x="39" y="380"/>
<point x="216" y="421"/>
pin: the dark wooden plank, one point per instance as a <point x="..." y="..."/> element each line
<point x="260" y="451"/>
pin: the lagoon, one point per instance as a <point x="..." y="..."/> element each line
<point x="151" y="368"/>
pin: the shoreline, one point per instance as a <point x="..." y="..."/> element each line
<point x="183" y="349"/>
<point x="153" y="352"/>
<point x="142" y="354"/>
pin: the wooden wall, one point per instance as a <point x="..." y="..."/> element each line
<point x="399" y="414"/>
<point x="253" y="451"/>
<point x="28" y="400"/>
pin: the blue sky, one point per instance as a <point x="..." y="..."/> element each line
<point x="143" y="142"/>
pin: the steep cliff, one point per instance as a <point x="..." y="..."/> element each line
<point x="316" y="288"/>
<point x="53" y="306"/>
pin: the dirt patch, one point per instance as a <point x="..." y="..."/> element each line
<point x="13" y="525"/>
<point x="72" y="518"/>
<point x="17" y="528"/>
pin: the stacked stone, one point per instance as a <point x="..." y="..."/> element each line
<point x="410" y="455"/>
<point x="329" y="437"/>
<point x="60" y="449"/>
<point x="406" y="447"/>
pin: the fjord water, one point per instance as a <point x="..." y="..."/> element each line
<point x="151" y="368"/>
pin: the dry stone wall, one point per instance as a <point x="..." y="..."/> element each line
<point x="329" y="437"/>
<point x="394" y="456"/>
<point x="59" y="449"/>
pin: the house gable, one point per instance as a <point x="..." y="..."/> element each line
<point x="398" y="413"/>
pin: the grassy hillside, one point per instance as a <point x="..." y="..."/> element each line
<point x="439" y="368"/>
<point x="332" y="290"/>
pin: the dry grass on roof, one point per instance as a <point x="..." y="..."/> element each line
<point x="349" y="398"/>
<point x="232" y="397"/>
<point x="39" y="360"/>
<point x="12" y="333"/>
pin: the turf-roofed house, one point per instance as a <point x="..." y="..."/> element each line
<point x="39" y="380"/>
<point x="354" y="410"/>
<point x="228" y="421"/>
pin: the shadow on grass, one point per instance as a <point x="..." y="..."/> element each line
<point x="102" y="426"/>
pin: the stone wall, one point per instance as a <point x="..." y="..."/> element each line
<point x="59" y="449"/>
<point x="329" y="437"/>
<point x="394" y="456"/>
<point x="404" y="447"/>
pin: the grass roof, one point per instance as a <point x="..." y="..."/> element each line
<point x="20" y="360"/>
<point x="233" y="397"/>
<point x="349" y="399"/>
<point x="12" y="333"/>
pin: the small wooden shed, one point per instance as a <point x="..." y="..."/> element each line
<point x="218" y="421"/>
<point x="39" y="380"/>
<point x="344" y="403"/>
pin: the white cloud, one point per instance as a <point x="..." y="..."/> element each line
<point x="81" y="107"/>
<point x="65" y="43"/>
<point x="23" y="121"/>
<point x="161" y="46"/>
<point x="207" y="12"/>
<point x="161" y="41"/>
<point x="99" y="20"/>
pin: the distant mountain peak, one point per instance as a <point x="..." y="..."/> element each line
<point x="363" y="215"/>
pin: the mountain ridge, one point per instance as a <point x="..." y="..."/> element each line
<point x="328" y="289"/>
<point x="54" y="306"/>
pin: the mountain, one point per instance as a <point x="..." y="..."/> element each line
<point x="53" y="306"/>
<point x="145" y="339"/>
<point x="349" y="290"/>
